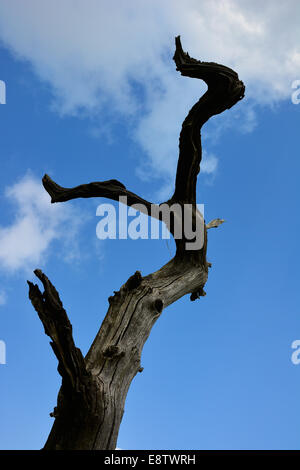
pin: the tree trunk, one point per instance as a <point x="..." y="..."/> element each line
<point x="91" y="400"/>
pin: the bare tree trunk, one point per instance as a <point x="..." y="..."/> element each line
<point x="91" y="400"/>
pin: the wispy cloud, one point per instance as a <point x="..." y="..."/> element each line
<point x="3" y="298"/>
<point x="96" y="53"/>
<point x="25" y="242"/>
<point x="209" y="163"/>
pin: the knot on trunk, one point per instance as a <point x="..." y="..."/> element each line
<point x="113" y="351"/>
<point x="134" y="281"/>
<point x="158" y="305"/>
<point x="54" y="413"/>
<point x="197" y="294"/>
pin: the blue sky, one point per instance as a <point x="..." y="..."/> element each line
<point x="108" y="103"/>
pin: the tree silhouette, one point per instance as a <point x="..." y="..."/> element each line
<point x="91" y="399"/>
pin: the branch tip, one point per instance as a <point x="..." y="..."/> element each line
<point x="215" y="223"/>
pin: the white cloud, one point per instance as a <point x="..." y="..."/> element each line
<point x="209" y="163"/>
<point x="3" y="297"/>
<point x="91" y="52"/>
<point x="25" y="242"/>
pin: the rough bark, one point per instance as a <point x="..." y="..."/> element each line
<point x="91" y="400"/>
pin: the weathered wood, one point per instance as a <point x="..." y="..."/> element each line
<point x="92" y="396"/>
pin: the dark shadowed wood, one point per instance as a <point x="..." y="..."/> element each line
<point x="91" y="400"/>
<point x="224" y="90"/>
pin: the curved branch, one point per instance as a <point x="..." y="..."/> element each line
<point x="111" y="189"/>
<point x="224" y="90"/>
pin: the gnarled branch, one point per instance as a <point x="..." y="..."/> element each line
<point x="94" y="388"/>
<point x="224" y="90"/>
<point x="111" y="189"/>
<point x="48" y="305"/>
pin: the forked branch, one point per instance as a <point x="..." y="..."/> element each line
<point x="224" y="90"/>
<point x="49" y="308"/>
<point x="94" y="388"/>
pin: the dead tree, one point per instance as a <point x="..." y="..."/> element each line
<point x="91" y="399"/>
